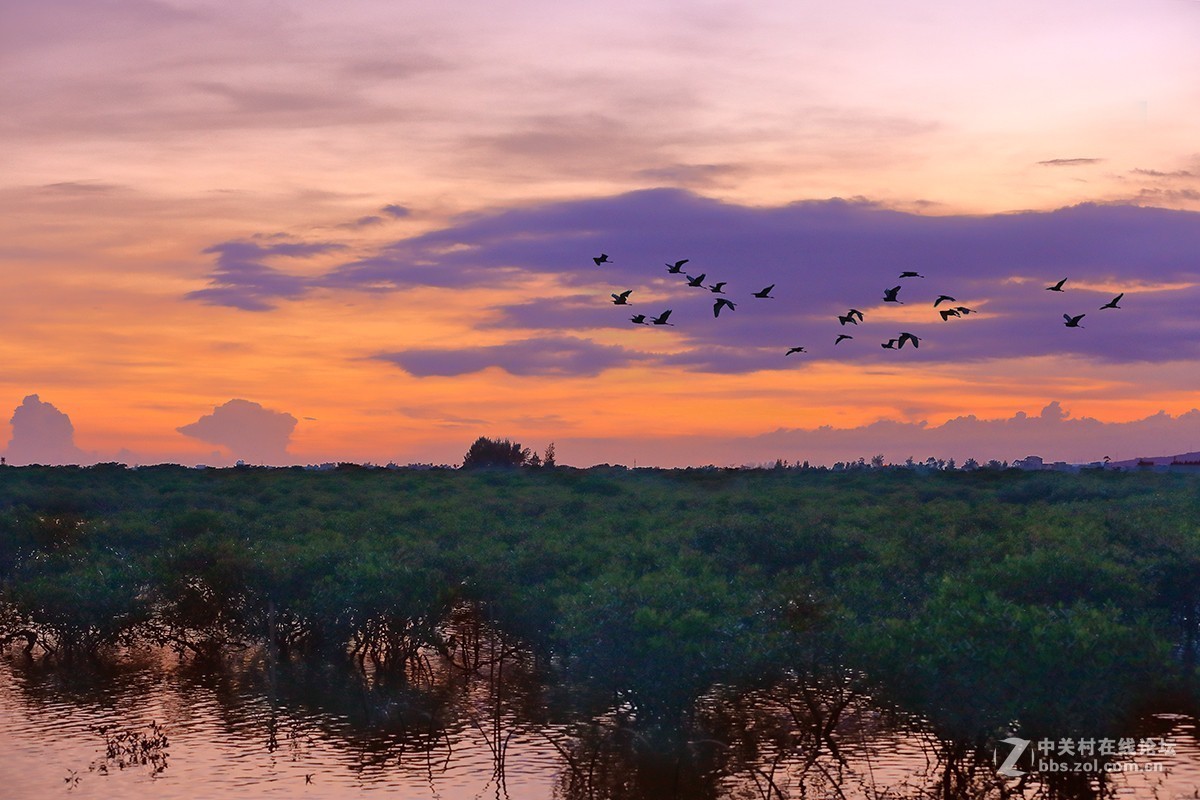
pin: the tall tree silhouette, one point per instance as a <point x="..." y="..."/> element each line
<point x="487" y="452"/>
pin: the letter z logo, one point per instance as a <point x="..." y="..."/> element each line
<point x="1009" y="767"/>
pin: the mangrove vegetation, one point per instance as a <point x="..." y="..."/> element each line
<point x="655" y="610"/>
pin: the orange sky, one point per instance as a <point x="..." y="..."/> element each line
<point x="138" y="136"/>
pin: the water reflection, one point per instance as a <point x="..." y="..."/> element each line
<point x="481" y="719"/>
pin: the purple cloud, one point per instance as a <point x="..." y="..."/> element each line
<point x="243" y="280"/>
<point x="396" y="211"/>
<point x="823" y="257"/>
<point x="565" y="356"/>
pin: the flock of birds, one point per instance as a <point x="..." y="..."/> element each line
<point x="852" y="317"/>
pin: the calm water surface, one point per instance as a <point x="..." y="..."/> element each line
<point x="243" y="730"/>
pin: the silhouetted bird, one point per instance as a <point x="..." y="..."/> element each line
<point x="697" y="281"/>
<point x="842" y="336"/>
<point x="638" y="319"/>
<point x="964" y="310"/>
<point x="847" y="318"/>
<point x="910" y="274"/>
<point x="949" y="312"/>
<point x="1073" y="322"/>
<point x="718" y="288"/>
<point x="1113" y="303"/>
<point x="908" y="337"/>
<point x="942" y="297"/>
<point x="722" y="303"/>
<point x="889" y="295"/>
<point x="622" y="299"/>
<point x="890" y="344"/>
<point x="601" y="259"/>
<point x="677" y="267"/>
<point x="795" y="350"/>
<point x="765" y="294"/>
<point x="854" y="312"/>
<point x="661" y="319"/>
<point x="1058" y="287"/>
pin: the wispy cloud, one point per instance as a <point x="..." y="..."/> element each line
<point x="565" y="356"/>
<point x="242" y="279"/>
<point x="1069" y="162"/>
<point x="1053" y="433"/>
<point x="396" y="210"/>
<point x="822" y="257"/>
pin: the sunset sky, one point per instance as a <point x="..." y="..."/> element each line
<point x="363" y="231"/>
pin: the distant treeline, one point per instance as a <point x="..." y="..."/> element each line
<point x="1056" y="603"/>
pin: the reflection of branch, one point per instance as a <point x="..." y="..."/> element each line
<point x="499" y="748"/>
<point x="588" y="777"/>
<point x="562" y="751"/>
<point x="771" y="785"/>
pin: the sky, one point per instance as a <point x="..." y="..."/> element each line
<point x="307" y="232"/>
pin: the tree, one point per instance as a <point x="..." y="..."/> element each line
<point x="487" y="452"/>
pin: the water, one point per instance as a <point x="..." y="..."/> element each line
<point x="245" y="729"/>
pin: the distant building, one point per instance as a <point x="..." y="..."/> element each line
<point x="1029" y="462"/>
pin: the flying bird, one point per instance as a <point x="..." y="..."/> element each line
<point x="854" y="312"/>
<point x="601" y="259"/>
<point x="795" y="350"/>
<point x="890" y="344"/>
<point x="947" y="313"/>
<point x="842" y="336"/>
<point x="638" y="319"/>
<point x="677" y="267"/>
<point x="696" y="281"/>
<point x="718" y="288"/>
<point x="1113" y="303"/>
<point x="908" y="337"/>
<point x="847" y="318"/>
<point x="910" y="274"/>
<point x="622" y="299"/>
<point x="964" y="310"/>
<point x="661" y="319"/>
<point x="722" y="303"/>
<point x="889" y="295"/>
<point x="1073" y="322"/>
<point x="1058" y="287"/>
<point x="765" y="293"/>
<point x="942" y="297"/>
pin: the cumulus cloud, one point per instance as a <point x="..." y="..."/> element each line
<point x="249" y="431"/>
<point x="41" y="434"/>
